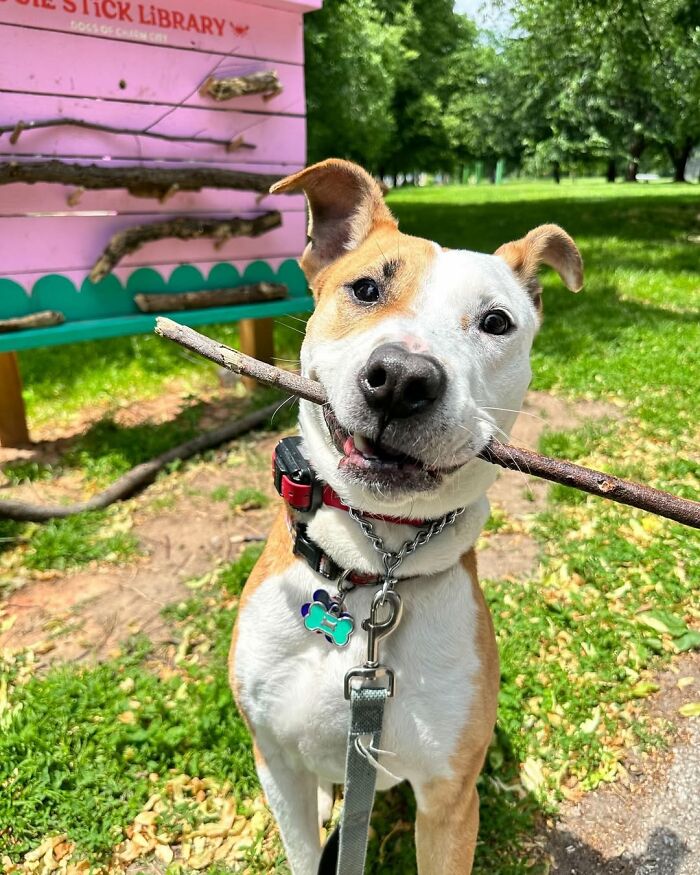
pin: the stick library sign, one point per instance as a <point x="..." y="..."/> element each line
<point x="204" y="24"/>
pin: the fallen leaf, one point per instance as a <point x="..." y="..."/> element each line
<point x="644" y="689"/>
<point x="689" y="641"/>
<point x="589" y="726"/>
<point x="692" y="709"/>
<point x="531" y="775"/>
<point x="664" y="622"/>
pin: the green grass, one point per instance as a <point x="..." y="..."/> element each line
<point x="65" y="544"/>
<point x="612" y="601"/>
<point x="63" y="380"/>
<point x="68" y="763"/>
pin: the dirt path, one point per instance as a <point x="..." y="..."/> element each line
<point x="649" y="825"/>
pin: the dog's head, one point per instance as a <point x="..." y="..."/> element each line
<point x="423" y="351"/>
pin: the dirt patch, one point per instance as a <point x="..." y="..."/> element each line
<point x="646" y="824"/>
<point x="520" y="496"/>
<point x="188" y="522"/>
<point x="182" y="531"/>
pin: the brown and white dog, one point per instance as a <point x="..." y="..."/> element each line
<point x="424" y="354"/>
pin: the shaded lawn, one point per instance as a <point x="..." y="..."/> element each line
<point x="613" y="599"/>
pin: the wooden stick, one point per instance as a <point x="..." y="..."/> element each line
<point x="664" y="504"/>
<point x="140" y="181"/>
<point x="230" y="145"/>
<point x="266" y="82"/>
<point x="40" y="319"/>
<point x="182" y="228"/>
<point x="160" y="303"/>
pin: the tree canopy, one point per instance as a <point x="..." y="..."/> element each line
<point x="416" y="86"/>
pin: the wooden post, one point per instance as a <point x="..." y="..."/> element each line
<point x="256" y="341"/>
<point x="13" y="420"/>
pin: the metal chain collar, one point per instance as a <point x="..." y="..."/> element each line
<point x="393" y="559"/>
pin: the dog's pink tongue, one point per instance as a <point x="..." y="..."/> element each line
<point x="352" y="455"/>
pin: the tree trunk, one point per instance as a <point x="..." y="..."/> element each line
<point x="636" y="150"/>
<point x="611" y="173"/>
<point x="556" y="172"/>
<point x="680" y="159"/>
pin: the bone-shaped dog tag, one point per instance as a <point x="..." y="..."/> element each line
<point x="337" y="629"/>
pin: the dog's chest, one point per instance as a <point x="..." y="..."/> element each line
<point x="290" y="680"/>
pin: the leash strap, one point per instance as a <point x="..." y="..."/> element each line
<point x="366" y="717"/>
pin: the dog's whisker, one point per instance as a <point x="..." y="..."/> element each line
<point x="291" y="398"/>
<point x="290" y="327"/>
<point x="508" y="410"/>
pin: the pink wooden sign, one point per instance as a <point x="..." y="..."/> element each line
<point x="134" y="67"/>
<point x="167" y="76"/>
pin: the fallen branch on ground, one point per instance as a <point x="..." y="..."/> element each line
<point x="232" y="144"/>
<point x="181" y="228"/>
<point x="664" y="504"/>
<point x="140" y="476"/>
<point x="248" y="294"/>
<point x="138" y="180"/>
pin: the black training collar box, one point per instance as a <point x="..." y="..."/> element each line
<point x="295" y="479"/>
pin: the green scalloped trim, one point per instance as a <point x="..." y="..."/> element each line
<point x="110" y="297"/>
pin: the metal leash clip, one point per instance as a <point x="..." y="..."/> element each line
<point x="377" y="629"/>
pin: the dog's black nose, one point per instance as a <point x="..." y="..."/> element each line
<point x="401" y="383"/>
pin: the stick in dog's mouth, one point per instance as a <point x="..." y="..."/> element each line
<point x="682" y="510"/>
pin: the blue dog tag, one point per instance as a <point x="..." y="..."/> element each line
<point x="324" y="615"/>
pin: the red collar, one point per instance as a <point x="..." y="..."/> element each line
<point x="297" y="483"/>
<point x="331" y="499"/>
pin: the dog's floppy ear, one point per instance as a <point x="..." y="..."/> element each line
<point x="345" y="205"/>
<point x="546" y="244"/>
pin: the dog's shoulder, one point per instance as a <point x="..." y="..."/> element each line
<point x="277" y="556"/>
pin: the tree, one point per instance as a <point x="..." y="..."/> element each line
<point x="484" y="117"/>
<point x="438" y="43"/>
<point x="610" y="78"/>
<point x="353" y="56"/>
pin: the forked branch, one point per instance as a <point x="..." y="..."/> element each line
<point x="181" y="228"/>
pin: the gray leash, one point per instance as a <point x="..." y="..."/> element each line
<point x="368" y="686"/>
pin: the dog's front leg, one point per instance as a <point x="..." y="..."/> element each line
<point x="292" y="794"/>
<point x="446" y="832"/>
<point x="447" y="819"/>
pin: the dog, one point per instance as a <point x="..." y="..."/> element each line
<point x="424" y="355"/>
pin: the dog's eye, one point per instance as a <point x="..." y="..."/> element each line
<point x="496" y="322"/>
<point x="365" y="290"/>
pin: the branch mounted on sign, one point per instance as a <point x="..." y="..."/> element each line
<point x="248" y="294"/>
<point x="139" y="181"/>
<point x="40" y="319"/>
<point x="232" y="144"/>
<point x="180" y="228"/>
<point x="265" y="82"/>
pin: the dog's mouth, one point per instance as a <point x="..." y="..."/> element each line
<point x="377" y="462"/>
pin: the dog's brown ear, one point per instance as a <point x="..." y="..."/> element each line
<point x="546" y="244"/>
<point x="345" y="205"/>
